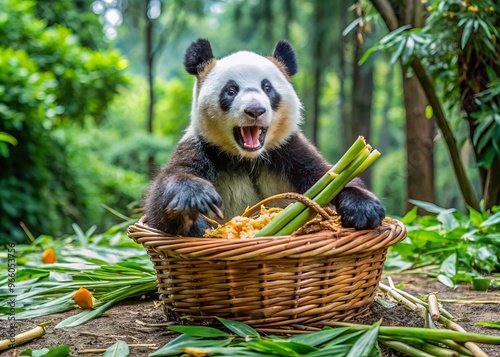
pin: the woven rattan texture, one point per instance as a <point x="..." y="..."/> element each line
<point x="278" y="282"/>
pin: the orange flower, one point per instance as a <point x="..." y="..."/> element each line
<point x="49" y="256"/>
<point x="472" y="8"/>
<point x="84" y="298"/>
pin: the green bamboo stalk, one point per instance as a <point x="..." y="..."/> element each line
<point x="425" y="333"/>
<point x="324" y="197"/>
<point x="429" y="347"/>
<point x="457" y="347"/>
<point x="470" y="345"/>
<point x="282" y="219"/>
<point x="406" y="349"/>
<point x="374" y="155"/>
<point x="328" y="194"/>
<point x="413" y="299"/>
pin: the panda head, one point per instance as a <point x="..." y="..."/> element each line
<point x="243" y="103"/>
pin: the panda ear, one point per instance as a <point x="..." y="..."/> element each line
<point x="285" y="54"/>
<point x="197" y="56"/>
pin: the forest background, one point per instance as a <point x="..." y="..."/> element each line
<point x="93" y="97"/>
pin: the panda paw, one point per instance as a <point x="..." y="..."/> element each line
<point x="176" y="204"/>
<point x="359" y="208"/>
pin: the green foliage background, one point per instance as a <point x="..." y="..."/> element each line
<point x="73" y="104"/>
<point x="53" y="91"/>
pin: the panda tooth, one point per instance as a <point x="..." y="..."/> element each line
<point x="242" y="132"/>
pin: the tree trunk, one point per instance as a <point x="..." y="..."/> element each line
<point x="419" y="130"/>
<point x="419" y="144"/>
<point x="491" y="192"/>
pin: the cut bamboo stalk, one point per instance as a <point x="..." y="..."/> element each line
<point x="405" y="348"/>
<point x="470" y="345"/>
<point x="324" y="197"/>
<point x="425" y="333"/>
<point x="433" y="307"/>
<point x="292" y="211"/>
<point x="427" y="347"/>
<point x="24" y="337"/>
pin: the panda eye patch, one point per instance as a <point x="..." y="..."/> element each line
<point x="271" y="92"/>
<point x="227" y="95"/>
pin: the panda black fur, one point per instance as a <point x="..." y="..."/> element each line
<point x="243" y="144"/>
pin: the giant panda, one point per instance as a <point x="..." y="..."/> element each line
<point x="243" y="144"/>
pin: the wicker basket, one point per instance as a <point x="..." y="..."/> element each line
<point x="296" y="281"/>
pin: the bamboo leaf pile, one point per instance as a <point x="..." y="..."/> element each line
<point x="339" y="340"/>
<point x="110" y="265"/>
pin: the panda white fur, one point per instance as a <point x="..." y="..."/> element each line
<point x="243" y="144"/>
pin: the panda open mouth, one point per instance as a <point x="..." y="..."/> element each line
<point x="250" y="138"/>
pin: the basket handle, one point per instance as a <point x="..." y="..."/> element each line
<point x="287" y="196"/>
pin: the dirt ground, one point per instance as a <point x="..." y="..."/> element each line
<point x="133" y="321"/>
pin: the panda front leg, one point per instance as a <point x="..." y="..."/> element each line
<point x="175" y="203"/>
<point x="183" y="191"/>
<point x="358" y="207"/>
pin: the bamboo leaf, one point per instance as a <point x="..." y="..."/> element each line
<point x="85" y="315"/>
<point x="173" y="348"/>
<point x="485" y="138"/>
<point x="351" y="26"/>
<point x="7" y="138"/>
<point x="198" y="331"/>
<point x="319" y="337"/>
<point x="393" y="34"/>
<point x="337" y="351"/>
<point x="231" y="351"/>
<point x="447" y="219"/>
<point x="485" y="28"/>
<point x="281" y="348"/>
<point x="411" y="216"/>
<point x="58" y="351"/>
<point x="367" y="54"/>
<point x="239" y="328"/>
<point x="366" y="342"/>
<point x="466" y="33"/>
<point x="348" y="338"/>
<point x="446" y="280"/>
<point x="479" y="130"/>
<point x="489" y="324"/>
<point x="449" y="265"/>
<point x="430" y="207"/>
<point x="491" y="221"/>
<point x="119" y="349"/>
<point x="82" y="239"/>
<point x="395" y="56"/>
<point x="408" y="50"/>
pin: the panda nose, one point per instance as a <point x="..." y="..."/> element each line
<point x="255" y="112"/>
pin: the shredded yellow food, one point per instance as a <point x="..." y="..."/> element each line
<point x="243" y="227"/>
